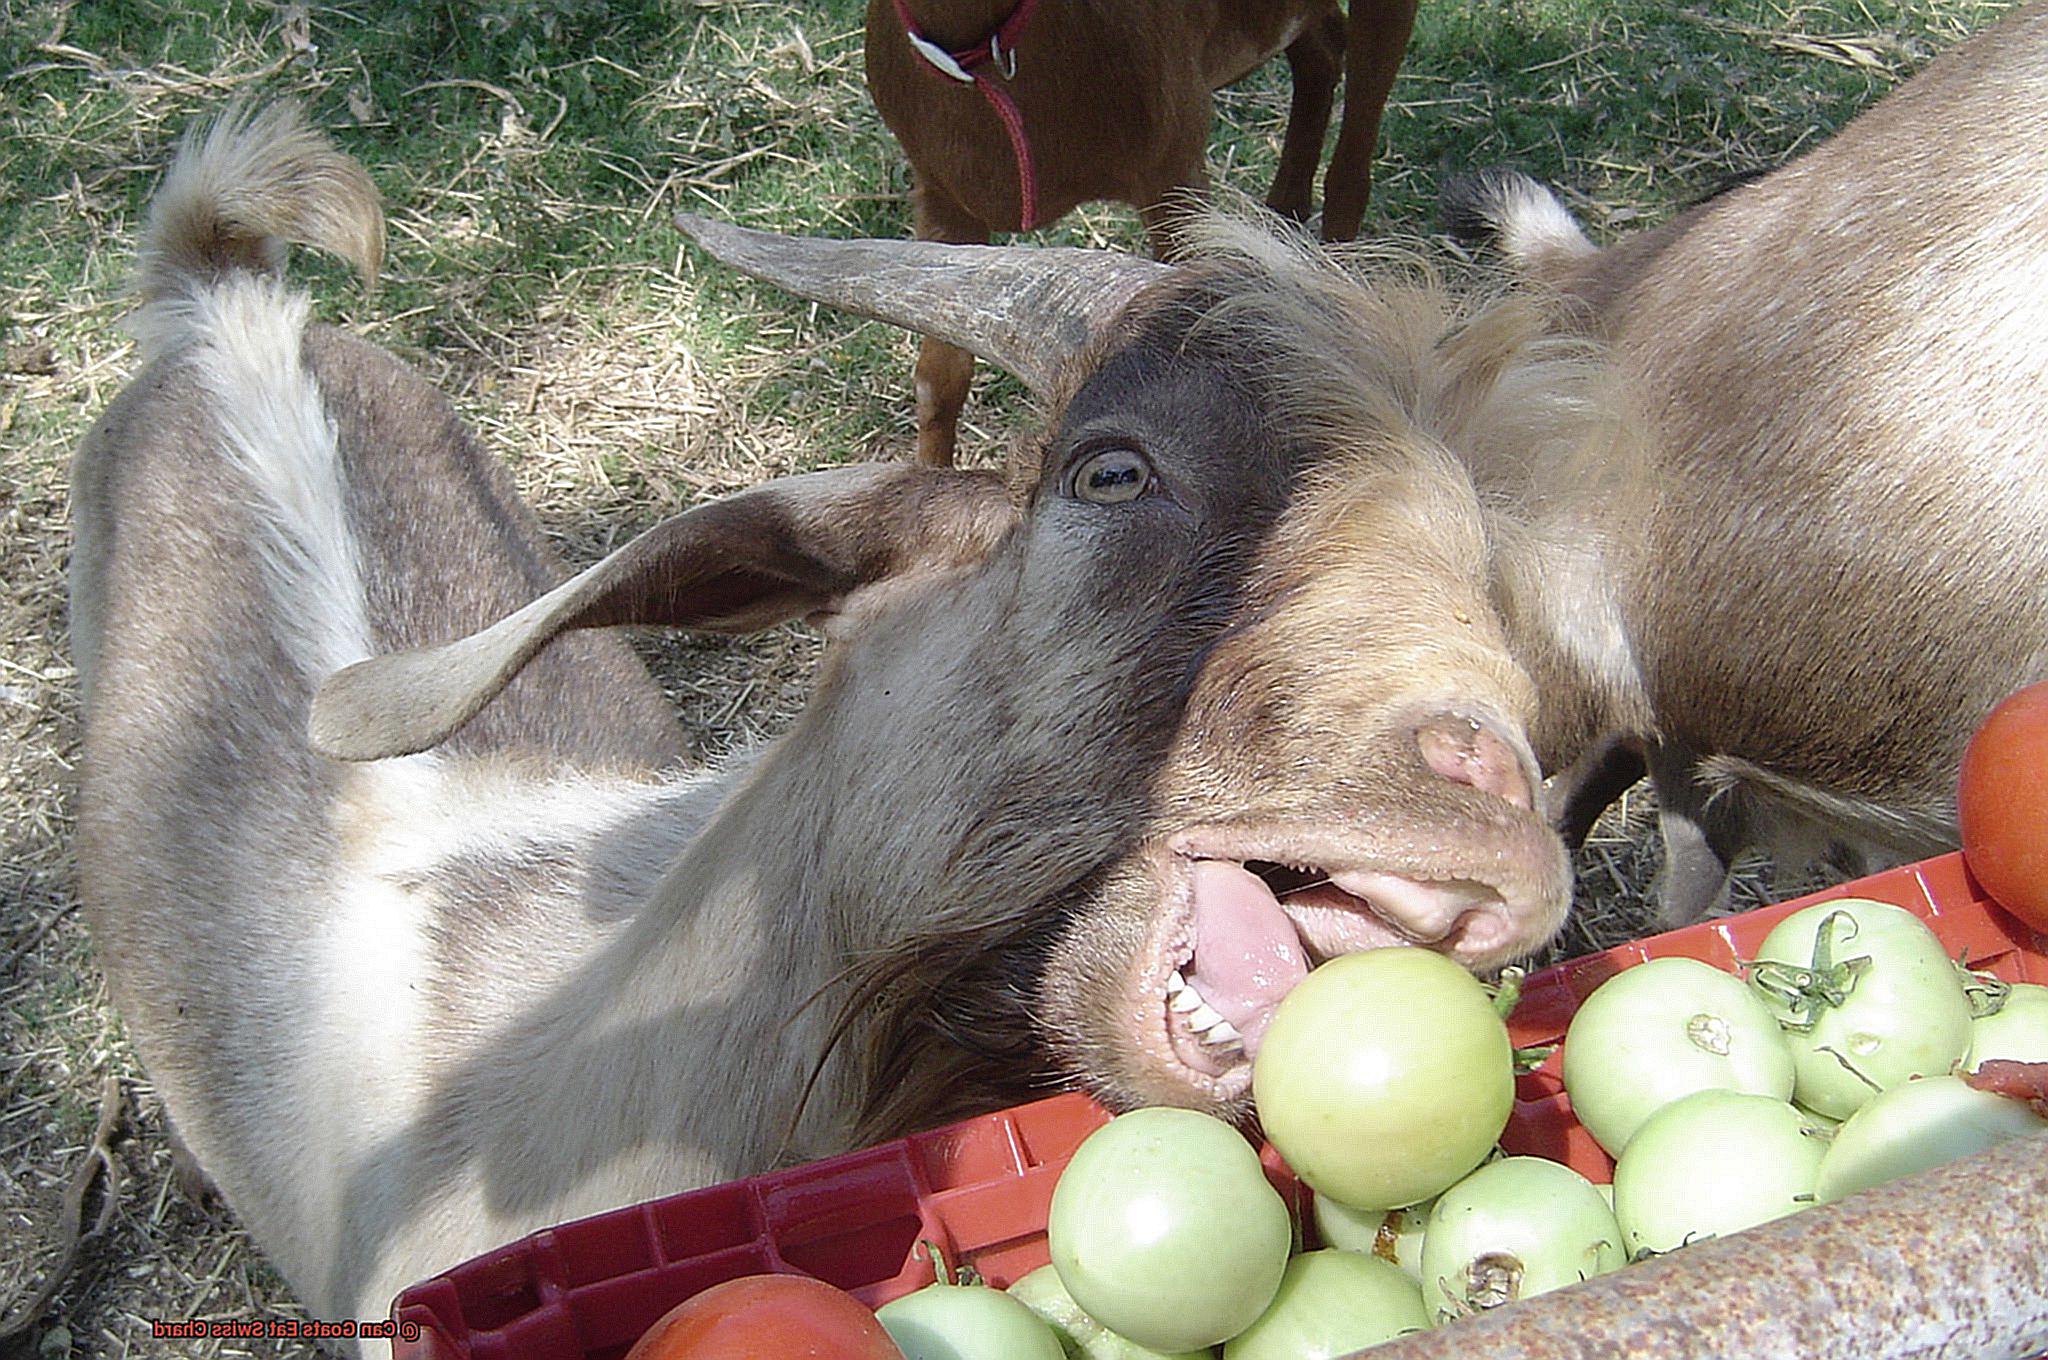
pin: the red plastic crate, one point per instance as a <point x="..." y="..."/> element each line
<point x="981" y="1189"/>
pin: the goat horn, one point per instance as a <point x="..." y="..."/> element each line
<point x="1023" y="308"/>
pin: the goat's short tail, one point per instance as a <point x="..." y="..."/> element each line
<point x="244" y="188"/>
<point x="213" y="292"/>
<point x="1520" y="215"/>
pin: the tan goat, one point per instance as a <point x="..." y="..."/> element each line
<point x="1245" y="657"/>
<point x="1014" y="112"/>
<point x="1127" y="720"/>
<point x="1845" y="363"/>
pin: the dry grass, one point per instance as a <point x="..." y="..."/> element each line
<point x="533" y="278"/>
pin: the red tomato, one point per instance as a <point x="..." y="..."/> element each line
<point x="767" y="1317"/>
<point x="2002" y="804"/>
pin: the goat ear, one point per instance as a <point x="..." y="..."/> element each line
<point x="795" y="547"/>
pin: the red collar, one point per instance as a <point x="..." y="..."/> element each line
<point x="964" y="65"/>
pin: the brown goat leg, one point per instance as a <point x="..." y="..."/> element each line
<point x="943" y="376"/>
<point x="1179" y="193"/>
<point x="1377" y="43"/>
<point x="1315" y="60"/>
<point x="944" y="372"/>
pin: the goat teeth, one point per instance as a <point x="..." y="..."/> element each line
<point x="1222" y="1032"/>
<point x="1204" y="1017"/>
<point x="1185" y="1000"/>
<point x="1175" y="982"/>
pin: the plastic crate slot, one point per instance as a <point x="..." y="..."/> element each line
<point x="850" y="1221"/>
<point x="990" y="1215"/>
<point x="496" y="1290"/>
<point x="1544" y="1012"/>
<point x="548" y="1331"/>
<point x="1546" y="1128"/>
<point x="613" y="1313"/>
<point x="709" y="1220"/>
<point x="1533" y="1088"/>
<point x="1004" y="1265"/>
<point x="858" y="1250"/>
<point x="597" y="1248"/>
<point x="1049" y="1130"/>
<point x="968" y="1154"/>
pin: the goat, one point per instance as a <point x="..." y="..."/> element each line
<point x="1201" y="688"/>
<point x="1054" y="103"/>
<point x="1845" y="367"/>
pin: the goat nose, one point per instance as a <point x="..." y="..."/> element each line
<point x="1470" y="752"/>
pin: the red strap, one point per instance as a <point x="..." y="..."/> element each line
<point x="966" y="64"/>
<point x="1020" y="147"/>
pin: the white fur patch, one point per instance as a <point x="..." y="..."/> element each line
<point x="1533" y="223"/>
<point x="402" y="820"/>
<point x="245" y="337"/>
<point x="372" y="1048"/>
<point x="1581" y="613"/>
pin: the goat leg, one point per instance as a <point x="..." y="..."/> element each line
<point x="1589" y="786"/>
<point x="1378" y="40"/>
<point x="1702" y="835"/>
<point x="1315" y="60"/>
<point x="944" y="372"/>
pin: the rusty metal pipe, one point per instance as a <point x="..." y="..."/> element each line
<point x="1951" y="1262"/>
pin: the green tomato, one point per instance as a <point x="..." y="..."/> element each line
<point x="1916" y="1126"/>
<point x="966" y="1322"/>
<point x="1081" y="1336"/>
<point x="1872" y="1002"/>
<point x="1384" y="1076"/>
<point x="1661" y="1030"/>
<point x="1332" y="1303"/>
<point x="1822" y="1124"/>
<point x="1165" y="1229"/>
<point x="1514" y="1229"/>
<point x="2017" y="1030"/>
<point x="1392" y="1235"/>
<point x="1712" y="1163"/>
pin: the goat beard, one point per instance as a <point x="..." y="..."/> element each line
<point x="945" y="1027"/>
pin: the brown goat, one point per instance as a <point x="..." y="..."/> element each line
<point x="1112" y="101"/>
<point x="1845" y="363"/>
<point x="1132" y="718"/>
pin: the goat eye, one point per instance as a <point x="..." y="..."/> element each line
<point x="1112" y="476"/>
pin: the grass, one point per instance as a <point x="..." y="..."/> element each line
<point x="531" y="152"/>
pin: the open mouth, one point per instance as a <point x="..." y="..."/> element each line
<point x="1240" y="933"/>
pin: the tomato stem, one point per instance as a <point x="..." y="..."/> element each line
<point x="940" y="1269"/>
<point x="1507" y="993"/>
<point x="1803" y="993"/>
<point x="1987" y="994"/>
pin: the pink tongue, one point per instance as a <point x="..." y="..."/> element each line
<point x="1247" y="955"/>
